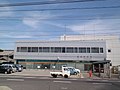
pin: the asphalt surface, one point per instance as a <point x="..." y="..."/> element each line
<point x="49" y="83"/>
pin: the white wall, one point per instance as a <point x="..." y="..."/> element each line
<point x="62" y="56"/>
<point x="112" y="42"/>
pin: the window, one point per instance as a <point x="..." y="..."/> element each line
<point x="88" y="49"/>
<point x="58" y="49"/>
<point x="18" y="49"/>
<point x="23" y="49"/>
<point x="46" y="49"/>
<point x="52" y="49"/>
<point x="94" y="50"/>
<point x="40" y="49"/>
<point x="63" y="49"/>
<point x="29" y="49"/>
<point x="101" y="50"/>
<point x="75" y="50"/>
<point x="82" y="50"/>
<point x="109" y="50"/>
<point x="69" y="50"/>
<point x="34" y="49"/>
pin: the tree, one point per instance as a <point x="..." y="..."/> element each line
<point x="1" y="50"/>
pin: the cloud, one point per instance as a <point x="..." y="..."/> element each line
<point x="5" y="11"/>
<point x="55" y="24"/>
<point x="19" y="36"/>
<point x="34" y="19"/>
<point x="16" y="35"/>
<point x="96" y="26"/>
<point x="32" y="22"/>
<point x="85" y="26"/>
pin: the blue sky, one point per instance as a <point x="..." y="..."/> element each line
<point x="50" y="25"/>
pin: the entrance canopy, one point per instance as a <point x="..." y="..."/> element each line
<point x="102" y="62"/>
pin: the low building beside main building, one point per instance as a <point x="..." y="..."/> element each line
<point x="82" y="54"/>
<point x="6" y="56"/>
<point x="112" y="45"/>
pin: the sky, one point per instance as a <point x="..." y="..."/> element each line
<point x="51" y="24"/>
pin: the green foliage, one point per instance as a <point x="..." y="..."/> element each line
<point x="1" y="50"/>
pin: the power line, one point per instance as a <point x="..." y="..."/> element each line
<point x="45" y="3"/>
<point x="77" y="8"/>
<point x="110" y="30"/>
<point x="72" y="18"/>
<point x="82" y="31"/>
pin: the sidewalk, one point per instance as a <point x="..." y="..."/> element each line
<point x="86" y="75"/>
<point x="31" y="72"/>
<point x="36" y="72"/>
<point x="46" y="73"/>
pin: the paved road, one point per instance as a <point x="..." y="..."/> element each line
<point x="48" y="83"/>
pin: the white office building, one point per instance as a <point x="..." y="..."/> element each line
<point x="112" y="45"/>
<point x="49" y="54"/>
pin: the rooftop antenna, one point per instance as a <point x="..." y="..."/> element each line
<point x="65" y="33"/>
<point x="94" y="30"/>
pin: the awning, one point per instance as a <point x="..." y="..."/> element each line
<point x="101" y="62"/>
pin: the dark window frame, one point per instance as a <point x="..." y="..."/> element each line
<point x="34" y="49"/>
<point x="23" y="49"/>
<point x="95" y="50"/>
<point x="46" y="49"/>
<point x="58" y="49"/>
<point x="18" y="49"/>
<point x="82" y="49"/>
<point x="101" y="50"/>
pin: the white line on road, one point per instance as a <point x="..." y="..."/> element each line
<point x="64" y="88"/>
<point x="72" y="79"/>
<point x="29" y="77"/>
<point x="104" y="80"/>
<point x="15" y="79"/>
<point x="62" y="81"/>
<point x="102" y="83"/>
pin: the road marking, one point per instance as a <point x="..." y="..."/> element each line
<point x="5" y="88"/>
<point x="15" y="79"/>
<point x="62" y="81"/>
<point x="102" y="83"/>
<point x="11" y="76"/>
<point x="72" y="79"/>
<point x="44" y="78"/>
<point x="114" y="81"/>
<point x="29" y="77"/>
<point x="104" y="80"/>
<point x="64" y="88"/>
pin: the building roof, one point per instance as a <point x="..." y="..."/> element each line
<point x="57" y="41"/>
<point x="7" y="52"/>
<point x="89" y="37"/>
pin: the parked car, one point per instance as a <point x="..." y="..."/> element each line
<point x="73" y="70"/>
<point x="19" y="67"/>
<point x="12" y="66"/>
<point x="5" y="69"/>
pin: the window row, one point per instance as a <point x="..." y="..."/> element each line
<point x="61" y="49"/>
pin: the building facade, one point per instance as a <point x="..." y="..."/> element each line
<point x="53" y="54"/>
<point x="6" y="56"/>
<point x="112" y="45"/>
